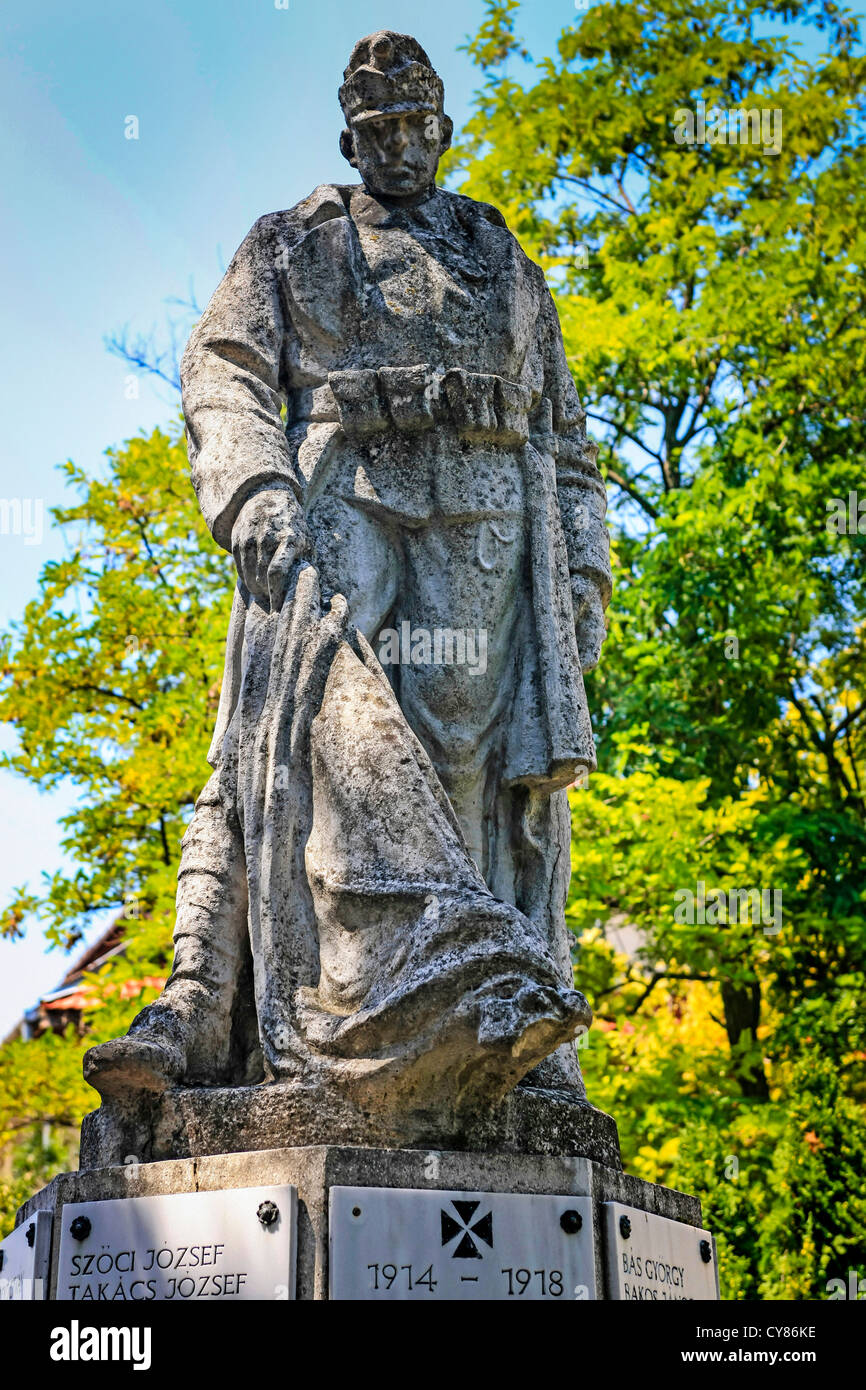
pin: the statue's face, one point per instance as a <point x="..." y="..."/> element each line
<point x="397" y="156"/>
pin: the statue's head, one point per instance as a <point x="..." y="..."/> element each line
<point x="397" y="130"/>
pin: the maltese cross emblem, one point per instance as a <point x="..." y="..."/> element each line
<point x="467" y="1228"/>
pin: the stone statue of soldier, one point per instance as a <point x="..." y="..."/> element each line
<point x="384" y="433"/>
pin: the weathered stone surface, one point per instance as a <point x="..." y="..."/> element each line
<point x="190" y="1123"/>
<point x="370" y="911"/>
<point x="315" y="1170"/>
<point x="372" y="983"/>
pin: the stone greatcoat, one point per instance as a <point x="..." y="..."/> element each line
<point x="403" y="374"/>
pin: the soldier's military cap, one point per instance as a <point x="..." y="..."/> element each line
<point x="388" y="74"/>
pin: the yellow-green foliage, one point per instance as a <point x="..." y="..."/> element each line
<point x="111" y="680"/>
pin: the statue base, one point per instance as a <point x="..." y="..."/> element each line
<point x="317" y="1169"/>
<point x="192" y="1122"/>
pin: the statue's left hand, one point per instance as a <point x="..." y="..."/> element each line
<point x="589" y="623"/>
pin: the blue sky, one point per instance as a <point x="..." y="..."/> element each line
<point x="238" y="116"/>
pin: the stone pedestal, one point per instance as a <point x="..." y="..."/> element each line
<point x="190" y="1122"/>
<point x="315" y="1169"/>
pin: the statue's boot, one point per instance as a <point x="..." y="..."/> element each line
<point x="148" y="1059"/>
<point x="187" y="1035"/>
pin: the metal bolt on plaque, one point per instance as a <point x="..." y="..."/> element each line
<point x="80" y="1228"/>
<point x="268" y="1213"/>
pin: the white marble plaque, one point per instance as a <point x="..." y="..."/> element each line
<point x="402" y="1244"/>
<point x="25" y="1257"/>
<point x="653" y="1259"/>
<point x="237" y="1244"/>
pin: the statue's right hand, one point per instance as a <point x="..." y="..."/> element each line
<point x="269" y="537"/>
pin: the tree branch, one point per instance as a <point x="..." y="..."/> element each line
<point x="594" y="192"/>
<point x="109" y="694"/>
<point x="626" y="434"/>
<point x="619" y="481"/>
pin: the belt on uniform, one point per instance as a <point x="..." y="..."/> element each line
<point x="478" y="405"/>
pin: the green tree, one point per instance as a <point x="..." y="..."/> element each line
<point x="111" y="681"/>
<point x="712" y="303"/>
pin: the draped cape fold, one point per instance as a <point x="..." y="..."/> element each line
<point x="358" y="952"/>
